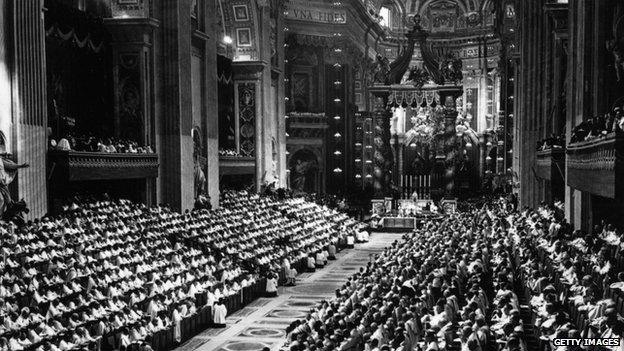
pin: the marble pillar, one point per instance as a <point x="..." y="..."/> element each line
<point x="383" y="159"/>
<point x="248" y="101"/>
<point x="577" y="203"/>
<point x="174" y="116"/>
<point x="29" y="120"/>
<point x="133" y="64"/>
<point x="528" y="95"/>
<point x="279" y="76"/>
<point x="267" y="101"/>
<point x="211" y="105"/>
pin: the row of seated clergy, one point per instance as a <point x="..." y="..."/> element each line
<point x="451" y="285"/>
<point x="106" y="261"/>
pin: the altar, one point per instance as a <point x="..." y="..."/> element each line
<point x="422" y="139"/>
<point x="403" y="215"/>
<point x="409" y="207"/>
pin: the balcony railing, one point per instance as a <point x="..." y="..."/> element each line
<point x="78" y="166"/>
<point x="229" y="165"/>
<point x="550" y="163"/>
<point x="594" y="166"/>
<point x="307" y="120"/>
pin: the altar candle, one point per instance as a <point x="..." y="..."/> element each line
<point x="429" y="184"/>
<point x="417" y="186"/>
<point x="402" y="186"/>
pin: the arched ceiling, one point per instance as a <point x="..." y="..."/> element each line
<point x="466" y="6"/>
<point x="443" y="16"/>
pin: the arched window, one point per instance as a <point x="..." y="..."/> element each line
<point x="385" y="13"/>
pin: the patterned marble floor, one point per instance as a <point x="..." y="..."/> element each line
<point x="263" y="322"/>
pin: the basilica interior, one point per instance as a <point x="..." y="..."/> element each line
<point x="294" y="175"/>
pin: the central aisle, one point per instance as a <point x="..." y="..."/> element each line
<point x="263" y="322"/>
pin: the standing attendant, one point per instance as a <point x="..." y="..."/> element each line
<point x="219" y="314"/>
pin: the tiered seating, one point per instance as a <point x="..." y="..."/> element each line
<point x="568" y="277"/>
<point x="113" y="275"/>
<point x="290" y="230"/>
<point x="432" y="291"/>
<point x="460" y="283"/>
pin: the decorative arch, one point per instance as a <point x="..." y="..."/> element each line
<point x="467" y="6"/>
<point x="423" y="5"/>
<point x="487" y="4"/>
<point x="399" y="4"/>
<point x="450" y="15"/>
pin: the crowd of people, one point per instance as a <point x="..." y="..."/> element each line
<point x="95" y="144"/>
<point x="599" y="126"/>
<point x="459" y="283"/>
<point x="280" y="235"/>
<point x="120" y="275"/>
<point x="552" y="142"/>
<point x="574" y="280"/>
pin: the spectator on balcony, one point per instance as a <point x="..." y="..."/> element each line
<point x="63" y="145"/>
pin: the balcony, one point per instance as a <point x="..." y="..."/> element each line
<point x="79" y="166"/>
<point x="594" y="166"/>
<point x="308" y="120"/>
<point x="230" y="165"/>
<point x="550" y="163"/>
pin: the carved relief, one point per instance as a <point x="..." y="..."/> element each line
<point x="301" y="91"/>
<point x="247" y="118"/>
<point x="129" y="98"/>
<point x="130" y="8"/>
<point x="443" y="17"/>
<point x="304" y="170"/>
<point x="380" y="70"/>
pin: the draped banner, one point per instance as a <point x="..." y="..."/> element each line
<point x="72" y="25"/>
<point x="71" y="35"/>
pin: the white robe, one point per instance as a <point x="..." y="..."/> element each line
<point x="350" y="240"/>
<point x="219" y="314"/>
<point x="362" y="236"/>
<point x="177" y="325"/>
<point x="271" y="285"/>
